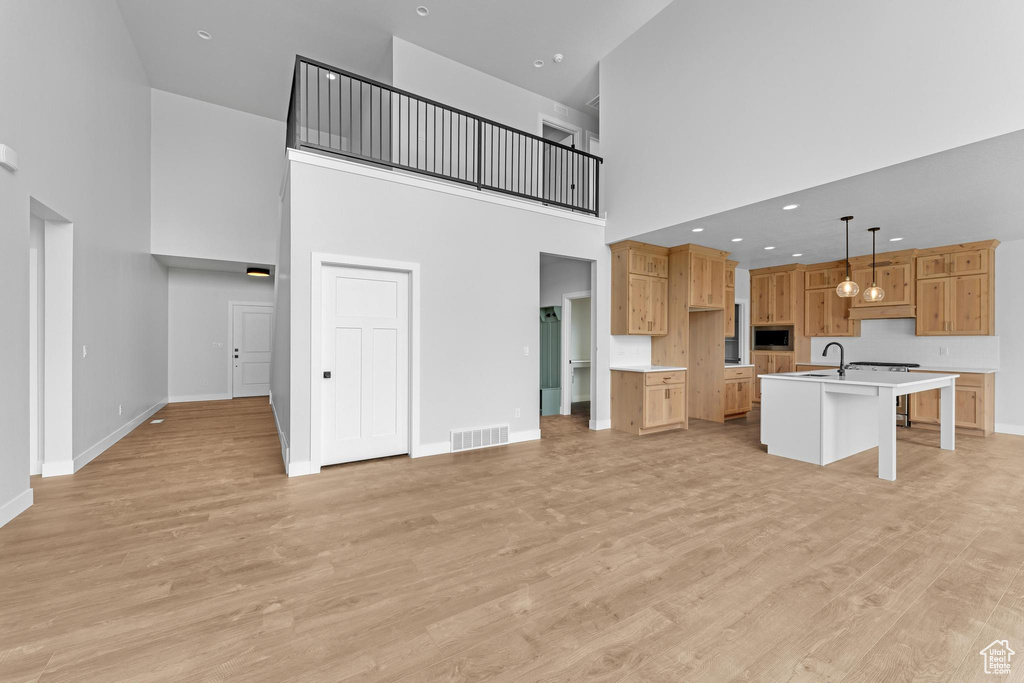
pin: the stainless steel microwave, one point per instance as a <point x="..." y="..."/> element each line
<point x="773" y="338"/>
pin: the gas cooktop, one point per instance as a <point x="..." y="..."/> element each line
<point x="875" y="364"/>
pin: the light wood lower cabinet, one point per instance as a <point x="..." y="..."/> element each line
<point x="644" y="403"/>
<point x="975" y="405"/>
<point x="739" y="392"/>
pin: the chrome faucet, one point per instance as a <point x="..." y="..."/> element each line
<point x="842" y="357"/>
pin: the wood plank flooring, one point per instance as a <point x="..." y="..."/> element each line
<point x="184" y="554"/>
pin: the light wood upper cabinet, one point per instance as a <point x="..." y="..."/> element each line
<point x="966" y="262"/>
<point x="776" y="298"/>
<point x="824" y="278"/>
<point x="954" y="306"/>
<point x="658" y="306"/>
<point x="639" y="290"/>
<point x="707" y="281"/>
<point x="760" y="299"/>
<point x="933" y="298"/>
<point x="730" y="311"/>
<point x="896" y="280"/>
<point x="730" y="274"/>
<point x="825" y="315"/>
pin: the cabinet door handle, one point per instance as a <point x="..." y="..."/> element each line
<point x="667" y="393"/>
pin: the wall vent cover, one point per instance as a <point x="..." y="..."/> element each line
<point x="561" y="110"/>
<point x="481" y="437"/>
<point x="595" y="103"/>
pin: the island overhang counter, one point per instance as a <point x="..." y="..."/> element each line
<point x="821" y="417"/>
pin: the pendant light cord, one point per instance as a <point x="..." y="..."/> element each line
<point x="874" y="280"/>
<point x="847" y="221"/>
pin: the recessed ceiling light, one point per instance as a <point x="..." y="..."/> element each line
<point x="331" y="76"/>
<point x="737" y="239"/>
<point x="539" y="63"/>
<point x="796" y="255"/>
<point x="769" y="248"/>
<point x="895" y="239"/>
<point x="204" y="35"/>
<point x="790" y="207"/>
<point x="698" y="229"/>
<point x="422" y="11"/>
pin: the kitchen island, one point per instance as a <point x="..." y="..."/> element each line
<point x="820" y="417"/>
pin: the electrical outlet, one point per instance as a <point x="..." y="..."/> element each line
<point x="517" y="412"/>
<point x="85" y="351"/>
<point x="206" y="382"/>
<point x="218" y="345"/>
<point x="943" y="350"/>
<point x="120" y="408"/>
<point x="526" y="350"/>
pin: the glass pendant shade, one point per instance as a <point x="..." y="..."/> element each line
<point x="847" y="289"/>
<point x="874" y="293"/>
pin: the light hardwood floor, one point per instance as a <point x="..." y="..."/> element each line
<point x="184" y="554"/>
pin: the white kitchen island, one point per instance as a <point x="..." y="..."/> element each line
<point x="820" y="417"/>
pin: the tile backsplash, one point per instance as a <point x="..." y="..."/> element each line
<point x="895" y="341"/>
<point x="630" y="350"/>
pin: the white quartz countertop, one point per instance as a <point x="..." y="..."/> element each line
<point x="740" y="365"/>
<point x="646" y="368"/>
<point x="897" y="380"/>
<point x="923" y="368"/>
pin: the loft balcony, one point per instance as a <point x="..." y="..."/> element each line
<point x="332" y="111"/>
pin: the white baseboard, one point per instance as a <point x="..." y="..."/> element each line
<point x="15" y="506"/>
<point x="299" y="468"/>
<point x="1016" y="430"/>
<point x="91" y="453"/>
<point x="57" y="469"/>
<point x="441" y="447"/>
<point x="285" y="453"/>
<point x="600" y="424"/>
<point x="199" y="397"/>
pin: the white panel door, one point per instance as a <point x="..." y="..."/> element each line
<point x="365" y="364"/>
<point x="251" y="330"/>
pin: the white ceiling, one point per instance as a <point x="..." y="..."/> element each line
<point x="970" y="193"/>
<point x="248" y="64"/>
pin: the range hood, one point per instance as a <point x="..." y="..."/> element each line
<point x="883" y="312"/>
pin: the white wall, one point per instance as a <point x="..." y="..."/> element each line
<point x="76" y="107"/>
<point x="563" y="276"/>
<point x="1010" y="328"/>
<point x="281" y="359"/>
<point x="480" y="263"/>
<point x="742" y="102"/>
<point x="743" y="297"/>
<point x="216" y="180"/>
<point x="430" y="75"/>
<point x="197" y="320"/>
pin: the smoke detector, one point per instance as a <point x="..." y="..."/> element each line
<point x="558" y="58"/>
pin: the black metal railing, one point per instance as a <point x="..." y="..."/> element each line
<point x="337" y="112"/>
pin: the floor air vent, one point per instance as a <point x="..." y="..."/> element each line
<point x="484" y="437"/>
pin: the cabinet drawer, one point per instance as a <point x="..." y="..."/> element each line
<point x="653" y="378"/>
<point x="739" y="373"/>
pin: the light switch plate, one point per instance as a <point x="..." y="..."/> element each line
<point x="526" y="350"/>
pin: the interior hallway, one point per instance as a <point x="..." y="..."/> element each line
<point x="183" y="553"/>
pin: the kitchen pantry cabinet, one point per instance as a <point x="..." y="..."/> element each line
<point x="769" y="363"/>
<point x="975" y="405"/>
<point x="825" y="315"/>
<point x="646" y="402"/>
<point x="739" y="392"/>
<point x="776" y="297"/>
<point x="639" y="289"/>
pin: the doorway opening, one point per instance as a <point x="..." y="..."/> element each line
<point x="51" y="295"/>
<point x="567" y="340"/>
<point x="558" y="169"/>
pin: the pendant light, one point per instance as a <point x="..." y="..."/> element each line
<point x="874" y="292"/>
<point x="847" y="289"/>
